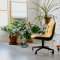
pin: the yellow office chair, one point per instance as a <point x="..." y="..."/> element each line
<point x="47" y="37"/>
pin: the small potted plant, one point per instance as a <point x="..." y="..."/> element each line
<point x="13" y="34"/>
<point x="27" y="35"/>
<point x="29" y="30"/>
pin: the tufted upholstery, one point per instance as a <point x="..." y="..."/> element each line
<point x="48" y="33"/>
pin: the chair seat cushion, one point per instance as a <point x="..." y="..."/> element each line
<point x="37" y="35"/>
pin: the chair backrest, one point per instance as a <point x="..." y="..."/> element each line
<point x="50" y="30"/>
<point x="53" y="31"/>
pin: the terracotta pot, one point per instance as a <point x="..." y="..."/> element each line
<point x="47" y="21"/>
<point x="28" y="40"/>
<point x="13" y="39"/>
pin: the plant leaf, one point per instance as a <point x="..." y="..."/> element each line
<point x="55" y="9"/>
<point x="37" y="17"/>
<point x="52" y="6"/>
<point x="37" y="10"/>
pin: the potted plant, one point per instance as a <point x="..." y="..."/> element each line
<point x="27" y="35"/>
<point x="46" y="11"/>
<point x="29" y="30"/>
<point x="14" y="30"/>
<point x="13" y="34"/>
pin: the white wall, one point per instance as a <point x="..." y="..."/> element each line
<point x="4" y="35"/>
<point x="31" y="12"/>
<point x="9" y="19"/>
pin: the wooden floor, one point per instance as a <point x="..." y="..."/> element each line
<point x="15" y="52"/>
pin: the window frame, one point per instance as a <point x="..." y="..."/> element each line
<point x="17" y="11"/>
<point x="5" y="10"/>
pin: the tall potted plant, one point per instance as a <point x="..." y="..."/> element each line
<point x="46" y="11"/>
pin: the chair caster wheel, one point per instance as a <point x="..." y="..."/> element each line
<point x="53" y="52"/>
<point x="58" y="48"/>
<point x="35" y="53"/>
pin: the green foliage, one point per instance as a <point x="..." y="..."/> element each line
<point x="24" y="45"/>
<point x="27" y="31"/>
<point x="4" y="29"/>
<point x="46" y="10"/>
<point x="35" y="29"/>
<point x="7" y="29"/>
<point x="18" y="23"/>
<point x="10" y="30"/>
<point x="8" y="26"/>
<point x="14" y="28"/>
<point x="31" y="29"/>
<point x="27" y="35"/>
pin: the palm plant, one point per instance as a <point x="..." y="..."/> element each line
<point x="46" y="10"/>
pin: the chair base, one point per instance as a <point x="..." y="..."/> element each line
<point x="41" y="47"/>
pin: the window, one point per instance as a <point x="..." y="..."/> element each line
<point x="19" y="0"/>
<point x="3" y="12"/>
<point x="18" y="8"/>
